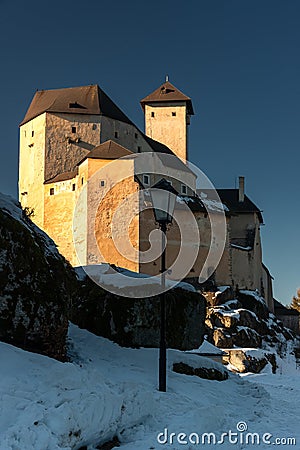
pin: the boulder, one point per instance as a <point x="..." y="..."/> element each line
<point x="221" y="317"/>
<point x="134" y="322"/>
<point x="222" y="338"/>
<point x="218" y="296"/>
<point x="246" y="337"/>
<point x="252" y="301"/>
<point x="36" y="285"/>
<point x="253" y="360"/>
<point x="201" y="372"/>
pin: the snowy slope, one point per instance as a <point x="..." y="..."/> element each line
<point x="108" y="390"/>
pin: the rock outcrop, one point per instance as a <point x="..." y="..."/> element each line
<point x="254" y="360"/>
<point x="201" y="372"/>
<point x="244" y="326"/>
<point x="244" y="322"/>
<point x="36" y="285"/>
<point x="133" y="322"/>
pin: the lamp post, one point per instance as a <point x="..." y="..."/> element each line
<point x="163" y="197"/>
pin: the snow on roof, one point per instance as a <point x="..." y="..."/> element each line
<point x="212" y="204"/>
<point x="240" y="247"/>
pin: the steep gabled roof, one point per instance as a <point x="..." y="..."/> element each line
<point x="168" y="93"/>
<point x="107" y="150"/>
<point x="75" y="100"/>
<point x="230" y="198"/>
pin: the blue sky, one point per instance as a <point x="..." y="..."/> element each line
<point x="238" y="60"/>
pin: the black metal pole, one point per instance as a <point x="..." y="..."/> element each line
<point x="163" y="347"/>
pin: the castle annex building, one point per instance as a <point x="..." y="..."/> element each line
<point x="67" y="135"/>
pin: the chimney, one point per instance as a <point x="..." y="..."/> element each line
<point x="241" y="189"/>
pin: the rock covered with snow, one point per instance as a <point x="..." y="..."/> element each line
<point x="251" y="360"/>
<point x="35" y="284"/>
<point x="135" y="322"/>
<point x="246" y="322"/>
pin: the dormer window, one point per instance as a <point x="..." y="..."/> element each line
<point x="76" y="105"/>
<point x="184" y="189"/>
<point x="146" y="180"/>
<point x="116" y="134"/>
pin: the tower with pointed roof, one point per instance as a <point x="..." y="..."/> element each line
<point x="167" y="118"/>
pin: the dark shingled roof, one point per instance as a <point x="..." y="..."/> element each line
<point x="281" y="310"/>
<point x="168" y="93"/>
<point x="62" y="177"/>
<point x="75" y="100"/>
<point x="230" y="198"/>
<point x="107" y="150"/>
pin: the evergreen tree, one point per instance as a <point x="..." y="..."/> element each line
<point x="296" y="301"/>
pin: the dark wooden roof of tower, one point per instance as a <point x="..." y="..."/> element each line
<point x="168" y="93"/>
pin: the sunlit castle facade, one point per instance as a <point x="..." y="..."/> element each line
<point x="69" y="139"/>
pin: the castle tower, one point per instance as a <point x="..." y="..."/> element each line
<point x="60" y="128"/>
<point x="167" y="117"/>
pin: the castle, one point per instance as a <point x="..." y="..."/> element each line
<point x="68" y="140"/>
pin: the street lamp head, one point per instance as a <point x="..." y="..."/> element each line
<point x="163" y="197"/>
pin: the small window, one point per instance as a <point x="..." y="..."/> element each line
<point x="146" y="180"/>
<point x="152" y="114"/>
<point x="73" y="129"/>
<point x="94" y="126"/>
<point x="102" y="183"/>
<point x="51" y="191"/>
<point x="135" y="135"/>
<point x="183" y="189"/>
<point x="139" y="149"/>
<point x="25" y="133"/>
<point x="173" y="113"/>
<point x="73" y="187"/>
<point x="82" y="180"/>
<point x="116" y="134"/>
<point x="32" y="133"/>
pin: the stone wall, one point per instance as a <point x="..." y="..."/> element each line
<point x="64" y="149"/>
<point x="32" y="167"/>
<point x="169" y="126"/>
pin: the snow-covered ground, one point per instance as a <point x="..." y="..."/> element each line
<point x="107" y="391"/>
